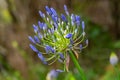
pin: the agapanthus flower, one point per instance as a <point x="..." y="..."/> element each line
<point x="56" y="35"/>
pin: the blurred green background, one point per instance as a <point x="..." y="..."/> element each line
<point x="19" y="62"/>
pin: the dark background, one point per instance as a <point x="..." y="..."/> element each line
<point x="19" y="62"/>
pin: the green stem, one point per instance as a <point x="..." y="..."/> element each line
<point x="77" y="65"/>
<point x="117" y="72"/>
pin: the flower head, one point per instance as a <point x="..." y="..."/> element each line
<point x="113" y="59"/>
<point x="57" y="34"/>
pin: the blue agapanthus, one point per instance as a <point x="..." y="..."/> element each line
<point x="57" y="34"/>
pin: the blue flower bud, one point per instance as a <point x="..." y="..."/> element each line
<point x="66" y="10"/>
<point x="35" y="28"/>
<point x="54" y="18"/>
<point x="44" y="26"/>
<point x="33" y="48"/>
<point x="77" y="20"/>
<point x="53" y="12"/>
<point x="63" y="18"/>
<point x="48" y="10"/>
<point x="68" y="36"/>
<point x="73" y="17"/>
<point x="40" y="25"/>
<point x="61" y="55"/>
<point x="36" y="39"/>
<point x="41" y="57"/>
<point x="42" y="14"/>
<point x="81" y="47"/>
<point x="49" y="49"/>
<point x="83" y="25"/>
<point x="32" y="40"/>
<point x="40" y="35"/>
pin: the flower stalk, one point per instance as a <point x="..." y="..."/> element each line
<point x="75" y="61"/>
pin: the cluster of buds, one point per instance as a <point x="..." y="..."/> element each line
<point x="58" y="34"/>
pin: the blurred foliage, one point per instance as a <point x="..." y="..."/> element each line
<point x="12" y="75"/>
<point x="5" y="15"/>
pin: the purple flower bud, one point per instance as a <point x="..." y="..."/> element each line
<point x="83" y="25"/>
<point x="81" y="47"/>
<point x="41" y="57"/>
<point x="40" y="35"/>
<point x="66" y="10"/>
<point x="73" y="17"/>
<point x="33" y="48"/>
<point x="32" y="40"/>
<point x="68" y="36"/>
<point x="42" y="14"/>
<point x="63" y="17"/>
<point x="44" y="26"/>
<point x="77" y="20"/>
<point x="35" y="28"/>
<point x="54" y="18"/>
<point x="40" y="25"/>
<point x="61" y="55"/>
<point x="48" y="10"/>
<point x="53" y="12"/>
<point x="49" y="49"/>
<point x="36" y="39"/>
